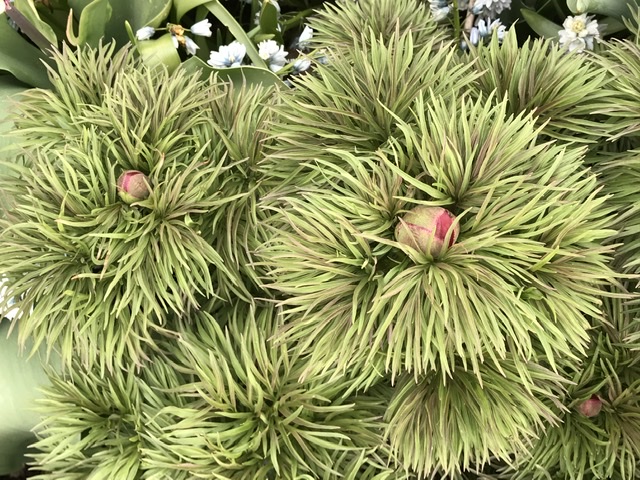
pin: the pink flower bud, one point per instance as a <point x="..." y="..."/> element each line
<point x="425" y="229"/>
<point x="591" y="407"/>
<point x="133" y="186"/>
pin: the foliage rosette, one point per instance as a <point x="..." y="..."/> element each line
<point x="93" y="274"/>
<point x="518" y="287"/>
<point x="339" y="26"/>
<point x="218" y="402"/>
<point x="566" y="93"/>
<point x="353" y="103"/>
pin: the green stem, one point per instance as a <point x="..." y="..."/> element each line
<point x="298" y="17"/>
<point x="456" y="21"/>
<point x="222" y="14"/>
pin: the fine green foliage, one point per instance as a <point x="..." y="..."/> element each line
<point x="223" y="404"/>
<point x="96" y="274"/>
<point x="256" y="317"/>
<point x="562" y="90"/>
<point x="622" y="61"/>
<point x="353" y="103"/>
<point x="459" y="423"/>
<point x="339" y="26"/>
<point x="608" y="445"/>
<point x="531" y="232"/>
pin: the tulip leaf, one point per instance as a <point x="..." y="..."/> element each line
<point x="610" y="25"/>
<point x="245" y="75"/>
<point x="612" y="8"/>
<point x="28" y="9"/>
<point x="539" y="24"/>
<point x="23" y="60"/>
<point x="138" y="13"/>
<point x="91" y="25"/>
<point x="20" y="381"/>
<point x="268" y="21"/>
<point x="183" y="6"/>
<point x="159" y="52"/>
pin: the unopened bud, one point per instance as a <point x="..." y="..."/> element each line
<point x="133" y="186"/>
<point x="591" y="407"/>
<point x="425" y="229"/>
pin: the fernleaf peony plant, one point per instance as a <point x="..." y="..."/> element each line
<point x="261" y="315"/>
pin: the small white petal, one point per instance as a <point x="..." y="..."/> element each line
<point x="305" y="37"/>
<point x="230" y="55"/>
<point x="190" y="45"/>
<point x="175" y="41"/>
<point x="145" y="33"/>
<point x="300" y="65"/>
<point x="202" y="28"/>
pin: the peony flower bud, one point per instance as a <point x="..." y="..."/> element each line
<point x="425" y="228"/>
<point x="591" y="407"/>
<point x="133" y="186"/>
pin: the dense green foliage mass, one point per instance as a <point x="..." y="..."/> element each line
<point x="256" y="317"/>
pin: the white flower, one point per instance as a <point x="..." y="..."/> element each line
<point x="440" y="14"/>
<point x="272" y="53"/>
<point x="484" y="28"/>
<point x="300" y="65"/>
<point x="175" y="41"/>
<point x="579" y="33"/>
<point x="202" y="28"/>
<point x="305" y="37"/>
<point x="228" y="55"/>
<point x="491" y="8"/>
<point x="145" y="33"/>
<point x="190" y="45"/>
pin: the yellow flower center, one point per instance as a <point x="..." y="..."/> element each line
<point x="578" y="26"/>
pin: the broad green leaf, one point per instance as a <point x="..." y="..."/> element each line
<point x="183" y="6"/>
<point x="23" y="60"/>
<point x="539" y="24"/>
<point x="613" y="8"/>
<point x="20" y="379"/>
<point x="237" y="75"/>
<point x="28" y="9"/>
<point x="610" y="25"/>
<point x="269" y="21"/>
<point x="9" y="87"/>
<point x="159" y="52"/>
<point x="138" y="13"/>
<point x="91" y="25"/>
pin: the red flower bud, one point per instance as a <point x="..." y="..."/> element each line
<point x="425" y="229"/>
<point x="591" y="407"/>
<point x="133" y="186"/>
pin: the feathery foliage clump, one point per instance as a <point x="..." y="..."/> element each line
<point x="532" y="228"/>
<point x="562" y="91"/>
<point x="354" y="103"/>
<point x="257" y="318"/>
<point x="220" y="402"/>
<point x="345" y="25"/>
<point x="607" y="445"/>
<point x="96" y="274"/>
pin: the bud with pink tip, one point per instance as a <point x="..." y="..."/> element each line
<point x="425" y="229"/>
<point x="133" y="186"/>
<point x="591" y="407"/>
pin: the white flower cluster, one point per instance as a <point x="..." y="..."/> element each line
<point x="485" y="27"/>
<point x="233" y="55"/>
<point x="579" y="33"/>
<point x="202" y="28"/>
<point x="270" y="51"/>
<point x="490" y="8"/>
